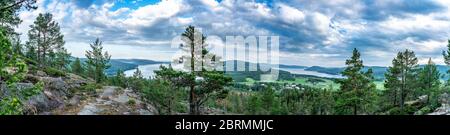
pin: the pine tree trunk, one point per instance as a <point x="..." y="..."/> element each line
<point x="192" y="106"/>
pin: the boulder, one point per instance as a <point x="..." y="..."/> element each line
<point x="444" y="109"/>
<point x="41" y="73"/>
<point x="45" y="102"/>
<point x="75" y="100"/>
<point x="5" y="91"/>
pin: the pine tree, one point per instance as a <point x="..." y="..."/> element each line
<point x="120" y="79"/>
<point x="97" y="61"/>
<point x="268" y="99"/>
<point x="30" y="52"/>
<point x="18" y="47"/>
<point x="9" y="16"/>
<point x="429" y="81"/>
<point x="137" y="80"/>
<point x="446" y="55"/>
<point x="46" y="37"/>
<point x="138" y="74"/>
<point x="356" y="89"/>
<point x="77" y="67"/>
<point x="401" y="78"/>
<point x="62" y="59"/>
<point x="199" y="62"/>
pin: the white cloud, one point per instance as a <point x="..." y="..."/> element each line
<point x="291" y="15"/>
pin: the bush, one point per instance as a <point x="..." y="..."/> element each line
<point x="30" y="61"/>
<point x="54" y="72"/>
<point x="131" y="102"/>
<point x="91" y="88"/>
<point x="10" y="106"/>
<point x="407" y="110"/>
<point x="27" y="93"/>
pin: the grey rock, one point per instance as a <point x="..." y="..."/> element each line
<point x="444" y="109"/>
<point x="42" y="103"/>
<point x="89" y="109"/>
<point x="74" y="101"/>
<point x="41" y="73"/>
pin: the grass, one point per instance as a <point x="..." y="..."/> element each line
<point x="304" y="81"/>
<point x="300" y="80"/>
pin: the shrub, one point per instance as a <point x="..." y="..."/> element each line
<point x="54" y="72"/>
<point x="10" y="106"/>
<point x="90" y="88"/>
<point x="27" y="93"/>
<point x="131" y="102"/>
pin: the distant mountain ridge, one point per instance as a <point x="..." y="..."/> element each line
<point x="127" y="64"/>
<point x="378" y="71"/>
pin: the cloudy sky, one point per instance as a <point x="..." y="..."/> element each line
<point x="312" y="32"/>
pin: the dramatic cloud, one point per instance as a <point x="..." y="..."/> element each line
<point x="312" y="32"/>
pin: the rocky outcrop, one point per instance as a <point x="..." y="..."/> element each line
<point x="444" y="109"/>
<point x="66" y="95"/>
<point x="116" y="101"/>
<point x="54" y="94"/>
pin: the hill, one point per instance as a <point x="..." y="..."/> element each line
<point x="126" y="64"/>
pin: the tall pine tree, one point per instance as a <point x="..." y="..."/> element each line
<point x="356" y="89"/>
<point x="429" y="81"/>
<point x="401" y="81"/>
<point x="77" y="67"/>
<point x="98" y="61"/>
<point x="205" y="82"/>
<point x="45" y="36"/>
<point x="446" y="55"/>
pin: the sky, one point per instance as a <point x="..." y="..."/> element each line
<point x="312" y="32"/>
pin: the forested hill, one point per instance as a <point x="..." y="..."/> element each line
<point x="127" y="64"/>
<point x="378" y="71"/>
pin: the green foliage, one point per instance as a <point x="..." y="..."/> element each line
<point x="77" y="67"/>
<point x="45" y="39"/>
<point x="164" y="95"/>
<point x="27" y="93"/>
<point x="131" y="102"/>
<point x="12" y="69"/>
<point x="90" y="88"/>
<point x="137" y="80"/>
<point x="202" y="80"/>
<point x="97" y="61"/>
<point x="401" y="79"/>
<point x="119" y="79"/>
<point x="356" y="89"/>
<point x="9" y="14"/>
<point x="10" y="106"/>
<point x="62" y="59"/>
<point x="446" y="55"/>
<point x="54" y="72"/>
<point x="254" y="105"/>
<point x="429" y="84"/>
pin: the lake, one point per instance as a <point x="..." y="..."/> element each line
<point x="148" y="71"/>
<point x="313" y="73"/>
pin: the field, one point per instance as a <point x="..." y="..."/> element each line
<point x="316" y="82"/>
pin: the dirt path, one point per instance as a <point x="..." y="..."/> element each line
<point x="115" y="101"/>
